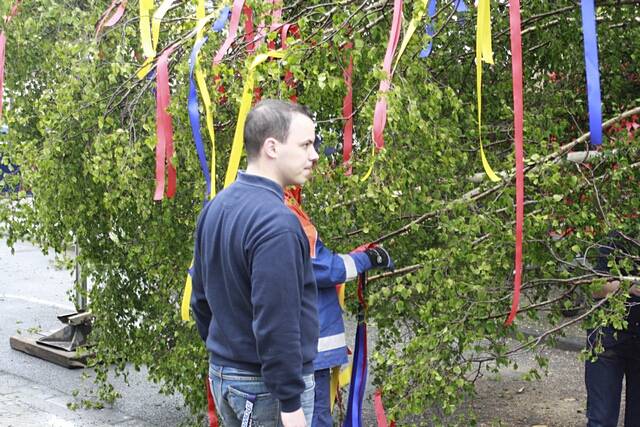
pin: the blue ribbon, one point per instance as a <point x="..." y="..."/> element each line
<point x="358" y="380"/>
<point x="592" y="69"/>
<point x="359" y="371"/>
<point x="222" y="19"/>
<point x="194" y="114"/>
<point x="461" y="6"/>
<point x="431" y="9"/>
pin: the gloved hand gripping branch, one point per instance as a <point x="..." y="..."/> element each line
<point x="375" y="257"/>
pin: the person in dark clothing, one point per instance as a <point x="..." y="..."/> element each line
<point x="254" y="293"/>
<point x="621" y="356"/>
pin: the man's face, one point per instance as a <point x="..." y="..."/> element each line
<point x="297" y="156"/>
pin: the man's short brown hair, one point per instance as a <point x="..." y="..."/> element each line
<point x="270" y="118"/>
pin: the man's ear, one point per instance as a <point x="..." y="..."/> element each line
<point x="270" y="148"/>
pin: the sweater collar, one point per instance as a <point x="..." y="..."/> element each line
<point x="258" y="181"/>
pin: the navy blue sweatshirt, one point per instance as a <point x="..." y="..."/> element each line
<point x="254" y="293"/>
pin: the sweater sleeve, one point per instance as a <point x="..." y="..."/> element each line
<point x="332" y="269"/>
<point x="277" y="280"/>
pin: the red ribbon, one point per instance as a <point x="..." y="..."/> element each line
<point x="248" y="29"/>
<point x="113" y="20"/>
<point x="12" y="12"/>
<point x="276" y="14"/>
<point x="516" y="65"/>
<point x="164" y="129"/>
<point x="211" y="405"/>
<point x="379" y="408"/>
<point x="347" y="115"/>
<point x="233" y="30"/>
<point x="3" y="42"/>
<point x="288" y="75"/>
<point x="380" y="114"/>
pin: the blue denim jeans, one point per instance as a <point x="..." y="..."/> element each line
<point x="232" y="388"/>
<point x="603" y="379"/>
<point x="321" y="409"/>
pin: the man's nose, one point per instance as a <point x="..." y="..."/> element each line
<point x="313" y="156"/>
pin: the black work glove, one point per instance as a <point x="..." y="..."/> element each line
<point x="380" y="258"/>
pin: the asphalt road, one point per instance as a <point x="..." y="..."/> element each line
<point x="32" y="293"/>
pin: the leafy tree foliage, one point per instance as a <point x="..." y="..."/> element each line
<point x="82" y="129"/>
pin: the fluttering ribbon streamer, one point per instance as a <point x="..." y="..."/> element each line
<point x="592" y="70"/>
<point x="518" y="119"/>
<point x="222" y="20"/>
<point x="156" y="20"/>
<point x="233" y="31"/>
<point x="248" y="29"/>
<point x="12" y="12"/>
<point x="150" y="32"/>
<point x="194" y="113"/>
<point x="429" y="29"/>
<point x="360" y="368"/>
<point x="164" y="130"/>
<point x="381" y="417"/>
<point x="289" y="79"/>
<point x="347" y="113"/>
<point x="186" y="296"/>
<point x="461" y="6"/>
<point x="276" y="13"/>
<point x="194" y="118"/>
<point x="148" y="51"/>
<point x="108" y="19"/>
<point x="484" y="53"/>
<point x="3" y="44"/>
<point x="245" y="105"/>
<point x="411" y="29"/>
<point x="380" y="114"/>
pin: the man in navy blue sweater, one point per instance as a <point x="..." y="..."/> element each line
<point x="254" y="292"/>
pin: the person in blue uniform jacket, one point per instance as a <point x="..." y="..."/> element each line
<point x="331" y="269"/>
<point x="621" y="356"/>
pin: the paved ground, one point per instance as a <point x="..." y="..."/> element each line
<point x="34" y="392"/>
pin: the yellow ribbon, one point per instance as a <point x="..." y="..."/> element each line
<point x="413" y="25"/>
<point x="150" y="32"/>
<point x="158" y="15"/>
<point x="340" y="377"/>
<point x="200" y="11"/>
<point x="484" y="53"/>
<point x="145" y="27"/>
<point x="373" y="162"/>
<point x="245" y="105"/>
<point x="204" y="93"/>
<point x="186" y="297"/>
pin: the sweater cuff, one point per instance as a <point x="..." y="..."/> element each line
<point x="290" y="405"/>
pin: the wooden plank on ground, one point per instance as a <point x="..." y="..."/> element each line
<point x="28" y="344"/>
